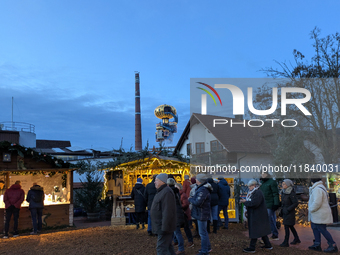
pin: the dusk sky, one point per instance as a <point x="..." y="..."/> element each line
<point x="70" y="64"/>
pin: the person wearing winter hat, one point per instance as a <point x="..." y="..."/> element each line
<point x="140" y="203"/>
<point x="223" y="202"/>
<point x="163" y="215"/>
<point x="289" y="203"/>
<point x="320" y="214"/>
<point x="13" y="198"/>
<point x="201" y="210"/>
<point x="186" y="185"/>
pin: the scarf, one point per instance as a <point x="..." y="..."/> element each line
<point x="287" y="190"/>
<point x="249" y="194"/>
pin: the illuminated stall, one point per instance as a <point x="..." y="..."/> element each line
<point x="27" y="166"/>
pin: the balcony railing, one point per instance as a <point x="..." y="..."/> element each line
<point x="17" y="126"/>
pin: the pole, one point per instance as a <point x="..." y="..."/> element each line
<point x="138" y="125"/>
<point x="12" y="114"/>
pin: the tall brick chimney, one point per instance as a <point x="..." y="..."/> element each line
<point x="138" y="124"/>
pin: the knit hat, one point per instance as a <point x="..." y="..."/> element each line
<point x="220" y="178"/>
<point x="186" y="177"/>
<point x="170" y="182"/>
<point x="139" y="180"/>
<point x="193" y="180"/>
<point x="201" y="178"/>
<point x="163" y="177"/>
<point x="288" y="182"/>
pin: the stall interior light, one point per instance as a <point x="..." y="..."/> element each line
<point x="6" y="157"/>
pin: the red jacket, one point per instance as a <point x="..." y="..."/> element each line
<point x="15" y="195"/>
<point x="185" y="204"/>
<point x="186" y="187"/>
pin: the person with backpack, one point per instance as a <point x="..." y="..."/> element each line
<point x="320" y="214"/>
<point x="140" y="203"/>
<point x="35" y="198"/>
<point x="13" y="198"/>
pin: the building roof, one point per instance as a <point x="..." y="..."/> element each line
<point x="235" y="139"/>
<point x="49" y="144"/>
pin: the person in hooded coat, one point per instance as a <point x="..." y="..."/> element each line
<point x="13" y="198"/>
<point x="149" y="194"/>
<point x="215" y="197"/>
<point x="258" y="221"/>
<point x="140" y="203"/>
<point x="223" y="202"/>
<point x="289" y="203"/>
<point x="35" y="197"/>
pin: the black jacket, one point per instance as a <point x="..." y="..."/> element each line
<point x="215" y="194"/>
<point x="138" y="195"/>
<point x="163" y="211"/>
<point x="289" y="203"/>
<point x="201" y="202"/>
<point x="224" y="193"/>
<point x="150" y="192"/>
<point x="258" y="221"/>
<point x="35" y="197"/>
<point x="179" y="210"/>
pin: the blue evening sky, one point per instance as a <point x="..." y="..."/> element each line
<point x="70" y="64"/>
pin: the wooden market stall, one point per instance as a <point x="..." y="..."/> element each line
<point x="54" y="175"/>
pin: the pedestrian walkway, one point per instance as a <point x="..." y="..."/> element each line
<point x="306" y="237"/>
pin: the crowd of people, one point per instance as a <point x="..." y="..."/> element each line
<point x="13" y="198"/>
<point x="198" y="201"/>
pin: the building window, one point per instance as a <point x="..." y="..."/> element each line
<point x="215" y="146"/>
<point x="199" y="148"/>
<point x="189" y="149"/>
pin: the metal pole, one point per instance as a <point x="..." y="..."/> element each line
<point x="12" y="114"/>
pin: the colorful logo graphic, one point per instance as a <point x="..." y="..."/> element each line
<point x="209" y="93"/>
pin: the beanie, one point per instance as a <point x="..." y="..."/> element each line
<point x="220" y="178"/>
<point x="201" y="178"/>
<point x="288" y="182"/>
<point x="163" y="177"/>
<point x="139" y="180"/>
<point x="171" y="182"/>
<point x="186" y="177"/>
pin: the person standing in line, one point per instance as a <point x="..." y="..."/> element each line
<point x="13" y="198"/>
<point x="187" y="217"/>
<point x="186" y="185"/>
<point x="289" y="203"/>
<point x="320" y="214"/>
<point x="215" y="197"/>
<point x="164" y="216"/>
<point x="138" y="195"/>
<point x="270" y="191"/>
<point x="35" y="198"/>
<point x="201" y="211"/>
<point x="258" y="221"/>
<point x="193" y="187"/>
<point x="223" y="201"/>
<point x="149" y="194"/>
<point x="180" y="216"/>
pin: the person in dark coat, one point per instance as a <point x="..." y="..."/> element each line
<point x="215" y="197"/>
<point x="149" y="194"/>
<point x="13" y="198"/>
<point x="289" y="203"/>
<point x="270" y="191"/>
<point x="163" y="215"/>
<point x="224" y="201"/>
<point x="138" y="195"/>
<point x="35" y="198"/>
<point x="201" y="210"/>
<point x="180" y="216"/>
<point x="258" y="221"/>
<point x="186" y="185"/>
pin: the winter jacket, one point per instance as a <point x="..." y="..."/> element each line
<point x="201" y="202"/>
<point x="163" y="211"/>
<point x="150" y="192"/>
<point x="179" y="210"/>
<point x="186" y="187"/>
<point x="258" y="220"/>
<point x="15" y="195"/>
<point x="138" y="195"/>
<point x="224" y="193"/>
<point x="35" y="197"/>
<point x="289" y="203"/>
<point x="215" y="193"/>
<point x="319" y="211"/>
<point x="185" y="204"/>
<point x="270" y="192"/>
